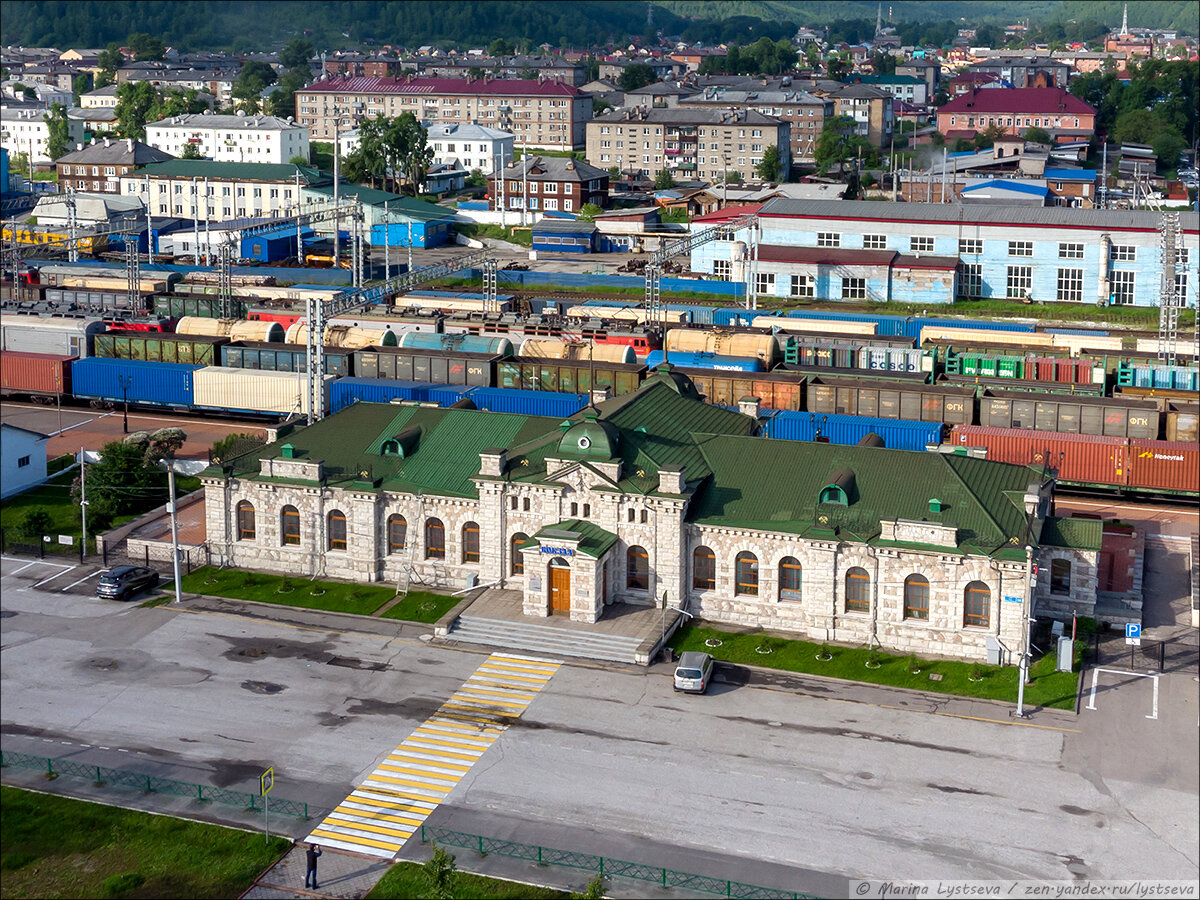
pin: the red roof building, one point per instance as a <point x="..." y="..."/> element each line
<point x="1064" y="115"/>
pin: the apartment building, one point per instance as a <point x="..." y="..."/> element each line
<point x="907" y="88"/>
<point x="539" y="113"/>
<point x="100" y="98"/>
<point x="549" y="183"/>
<point x="549" y="68"/>
<point x="690" y="143"/>
<point x="1063" y="115"/>
<point x="474" y="146"/>
<point x="233" y="190"/>
<point x="872" y="110"/>
<point x="1027" y="73"/>
<point x="98" y="167"/>
<point x="237" y="138"/>
<point x="806" y="113"/>
<point x="26" y="131"/>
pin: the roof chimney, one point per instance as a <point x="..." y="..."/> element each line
<point x="129" y="144"/>
<point x="107" y="142"/>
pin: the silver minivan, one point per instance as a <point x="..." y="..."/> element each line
<point x="694" y="672"/>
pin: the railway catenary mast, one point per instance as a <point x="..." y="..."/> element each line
<point x="726" y="230"/>
<point x="1169" y="296"/>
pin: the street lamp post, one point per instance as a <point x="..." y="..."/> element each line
<point x="662" y="644"/>
<point x="1023" y="662"/>
<point x="169" y="462"/>
<point x="124" y="381"/>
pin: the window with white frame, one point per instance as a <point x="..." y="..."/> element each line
<point x="854" y="289"/>
<point x="1123" y="253"/>
<point x="1121" y="284"/>
<point x="1020" y="248"/>
<point x="970" y="246"/>
<point x="804" y="286"/>
<point x="920" y="244"/>
<point x="874" y="241"/>
<point x="1070" y="285"/>
<point x="829" y="239"/>
<point x="764" y="283"/>
<point x="971" y="280"/>
<point x="722" y="268"/>
<point x="1070" y="251"/>
<point x="1020" y="282"/>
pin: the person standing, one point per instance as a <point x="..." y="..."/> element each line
<point x="311" y="871"/>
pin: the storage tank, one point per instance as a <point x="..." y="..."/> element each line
<point x="701" y="360"/>
<point x="723" y="343"/>
<point x="234" y="329"/>
<point x="461" y="343"/>
<point x="347" y="336"/>
<point x="737" y="258"/>
<point x="547" y="348"/>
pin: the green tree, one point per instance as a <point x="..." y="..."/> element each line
<point x="770" y="166"/>
<point x="80" y="85"/>
<point x="591" y="68"/>
<point x="254" y="78"/>
<point x="812" y="56"/>
<point x="298" y="161"/>
<point x="664" y="180"/>
<point x="985" y="139"/>
<point x="28" y="93"/>
<point x="413" y="155"/>
<point x="135" y="101"/>
<point x="837" y="144"/>
<point x="1038" y="135"/>
<point x="146" y="47"/>
<point x="600" y="105"/>
<point x="191" y="151"/>
<point x="36" y="523"/>
<point x="123" y="481"/>
<point x="500" y="47"/>
<point x="837" y="66"/>
<point x="439" y="873"/>
<point x="589" y="211"/>
<point x="296" y="54"/>
<point x="634" y="76"/>
<point x="59" y="140"/>
<point x="109" y="61"/>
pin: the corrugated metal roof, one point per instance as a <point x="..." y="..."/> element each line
<point x="1015" y="186"/>
<point x="1077" y="534"/>
<point x="236" y="171"/>
<point x="826" y="256"/>
<point x="463" y="86"/>
<point x="1018" y="100"/>
<point x="594" y="541"/>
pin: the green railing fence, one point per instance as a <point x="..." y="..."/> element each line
<point x="150" y="784"/>
<point x="604" y="866"/>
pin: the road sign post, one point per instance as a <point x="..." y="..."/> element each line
<point x="1133" y="634"/>
<point x="266" y="781"/>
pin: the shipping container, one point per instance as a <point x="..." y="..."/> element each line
<point x="1164" y="466"/>
<point x="377" y="317"/>
<point x="346" y="391"/>
<point x="706" y="361"/>
<point x="864" y="357"/>
<point x="828" y="326"/>
<point x="283" y="358"/>
<point x="1078" y="458"/>
<point x="949" y="404"/>
<point x="1183" y="423"/>
<point x="204" y="306"/>
<point x="1135" y="373"/>
<point x="528" y="403"/>
<point x="198" y="349"/>
<point x="438" y="366"/>
<point x="896" y="434"/>
<point x="775" y="390"/>
<point x="35" y="374"/>
<point x="58" y="336"/>
<point x="456" y="343"/>
<point x="1070" y="415"/>
<point x="446" y="395"/>
<point x="253" y="391"/>
<point x="561" y="376"/>
<point x="142" y="383"/>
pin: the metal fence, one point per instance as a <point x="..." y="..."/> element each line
<point x="150" y="784"/>
<point x="14" y="540"/>
<point x="604" y="866"/>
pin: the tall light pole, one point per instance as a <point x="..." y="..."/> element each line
<point x="662" y="644"/>
<point x="124" y="381"/>
<point x="171" y="508"/>
<point x="337" y="216"/>
<point x="1023" y="662"/>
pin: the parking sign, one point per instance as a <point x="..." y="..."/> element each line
<point x="1133" y="633"/>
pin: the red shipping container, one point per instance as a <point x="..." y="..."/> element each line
<point x="35" y="373"/>
<point x="1164" y="465"/>
<point x="1045" y="369"/>
<point x="1079" y="458"/>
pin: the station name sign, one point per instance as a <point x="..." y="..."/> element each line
<point x="558" y="551"/>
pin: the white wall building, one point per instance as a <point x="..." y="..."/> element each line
<point x="25" y="131"/>
<point x="22" y="459"/>
<point x="474" y="146"/>
<point x="100" y="98"/>
<point x="240" y="138"/>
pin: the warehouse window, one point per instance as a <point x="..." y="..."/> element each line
<point x="470" y="542"/>
<point x="804" y="286"/>
<point x="977" y="604"/>
<point x="435" y="539"/>
<point x="337" y="530"/>
<point x="245" y="521"/>
<point x="916" y="597"/>
<point x="971" y="280"/>
<point x="920" y="244"/>
<point x="764" y="283"/>
<point x="854" y="289"/>
<point x="637" y="569"/>
<point x="722" y="268"/>
<point x="829" y="239"/>
<point x="1123" y="253"/>
<point x="1020" y="248"/>
<point x="1070" y="251"/>
<point x="970" y="246"/>
<point x="1070" y="285"/>
<point x="397" y="533"/>
<point x="874" y="241"/>
<point x="514" y="550"/>
<point x="289" y="526"/>
<point x="1122" y="288"/>
<point x="858" y="590"/>
<point x="746" y="574"/>
<point x="790" y="574"/>
<point x="1020" y="282"/>
<point x="1060" y="576"/>
<point x="704" y="569"/>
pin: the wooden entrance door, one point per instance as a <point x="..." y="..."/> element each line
<point x="560" y="588"/>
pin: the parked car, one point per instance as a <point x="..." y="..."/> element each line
<point x="122" y="582"/>
<point x="694" y="672"/>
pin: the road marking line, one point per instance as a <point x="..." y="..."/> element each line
<point x="81" y="580"/>
<point x="23" y="568"/>
<point x="1151" y="675"/>
<point x="1092" y="699"/>
<point x="1154" y="715"/>
<point x="52" y="577"/>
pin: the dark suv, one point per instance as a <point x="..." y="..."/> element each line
<point x="122" y="582"/>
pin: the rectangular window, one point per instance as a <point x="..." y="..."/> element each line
<point x="1020" y="282"/>
<point x="1070" y="251"/>
<point x="874" y="241"/>
<point x="971" y="280"/>
<point x="1122" y="284"/>
<point x="722" y="268"/>
<point x="291" y="527"/>
<point x="970" y="246"/>
<point x="1060" y="576"/>
<point x="804" y="286"/>
<point x="704" y="570"/>
<point x="829" y="239"/>
<point x="854" y="289"/>
<point x="1020" y="248"/>
<point x="764" y="283"/>
<point x="22" y="462"/>
<point x="1123" y="253"/>
<point x="1070" y="285"/>
<point x="920" y="244"/>
<point x="470" y="549"/>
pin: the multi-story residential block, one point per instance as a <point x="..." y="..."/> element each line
<point x="928" y="71"/>
<point x="548" y="68"/>
<point x="661" y="66"/>
<point x="549" y="183"/>
<point x="216" y="78"/>
<point x="98" y="167"/>
<point x="872" y="110"/>
<point x="26" y="131"/>
<point x="474" y="146"/>
<point x="541" y="114"/>
<point x="1040" y="72"/>
<point x="912" y="90"/>
<point x="689" y="142"/>
<point x="100" y="98"/>
<point x="220" y="191"/>
<point x="238" y="138"/>
<point x="1063" y="115"/>
<point x="805" y="112"/>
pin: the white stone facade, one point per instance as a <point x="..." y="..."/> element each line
<point x="241" y="139"/>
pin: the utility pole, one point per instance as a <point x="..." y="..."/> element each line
<point x="174" y="527"/>
<point x="1023" y="662"/>
<point x="337" y="215"/>
<point x="299" y="230"/>
<point x="83" y="497"/>
<point x="149" y="230"/>
<point x="524" y="178"/>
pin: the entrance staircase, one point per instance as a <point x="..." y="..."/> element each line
<point x="551" y="640"/>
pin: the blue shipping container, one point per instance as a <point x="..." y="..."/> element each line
<point x="445" y="394"/>
<point x="157" y="383"/>
<point x="897" y="434"/>
<point x="346" y="391"/>
<point x="528" y="403"/>
<point x="706" y="361"/>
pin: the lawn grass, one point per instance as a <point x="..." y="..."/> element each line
<point x="1048" y="688"/>
<point x="422" y="606"/>
<point x="332" y="596"/>
<point x="406" y="881"/>
<point x="58" y="847"/>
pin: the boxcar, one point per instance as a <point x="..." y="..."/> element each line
<point x="1183" y="423"/>
<point x="775" y="390"/>
<point x="198" y="349"/>
<point x="283" y="358"/>
<point x="441" y="366"/>
<point x="60" y="336"/>
<point x="567" y="377"/>
<point x="950" y="404"/>
<point x="1070" y="415"/>
<point x="205" y="306"/>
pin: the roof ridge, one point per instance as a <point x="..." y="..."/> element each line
<point x="947" y="461"/>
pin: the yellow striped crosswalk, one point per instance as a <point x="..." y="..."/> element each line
<point x="390" y="805"/>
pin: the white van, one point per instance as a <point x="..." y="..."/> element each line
<point x="694" y="672"/>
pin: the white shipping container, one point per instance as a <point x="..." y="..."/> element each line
<point x="254" y="390"/>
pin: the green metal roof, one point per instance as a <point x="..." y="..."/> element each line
<point x="206" y="168"/>
<point x="1077" y="534"/>
<point x="594" y="541"/>
<point x="399" y="206"/>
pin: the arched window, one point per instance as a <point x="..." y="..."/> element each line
<point x="470" y="542"/>
<point x="858" y="590"/>
<point x="746" y="574"/>
<point x="1060" y="576"/>
<point x="514" y="553"/>
<point x="704" y="569"/>
<point x="289" y="526"/>
<point x="337" y="530"/>
<point x="916" y="597"/>
<point x="637" y="569"/>
<point x="245" y="521"/>
<point x="397" y="533"/>
<point x="435" y="539"/>
<point x="977" y="605"/>
<point x="789" y="578"/>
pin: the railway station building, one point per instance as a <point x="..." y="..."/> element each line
<point x="653" y="494"/>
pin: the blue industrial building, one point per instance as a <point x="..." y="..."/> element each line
<point x="900" y="251"/>
<point x="563" y="236"/>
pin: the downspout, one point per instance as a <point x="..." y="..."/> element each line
<point x="874" y="600"/>
<point x="1103" y="289"/>
<point x="228" y="560"/>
